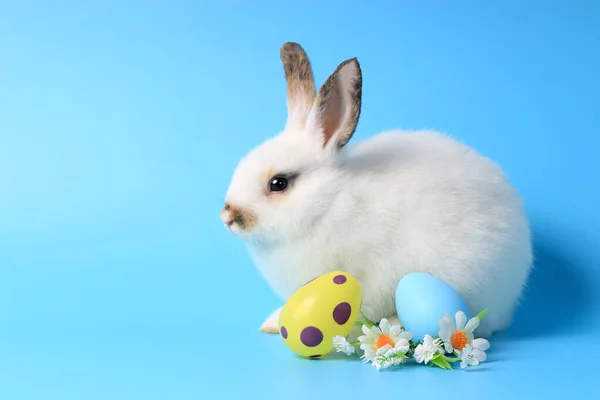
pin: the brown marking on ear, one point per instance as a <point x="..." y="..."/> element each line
<point x="242" y="217"/>
<point x="301" y="90"/>
<point x="331" y="108"/>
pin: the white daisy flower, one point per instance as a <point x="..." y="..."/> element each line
<point x="425" y="351"/>
<point x="472" y="356"/>
<point x="376" y="338"/>
<point x="340" y="344"/>
<point x="457" y="335"/>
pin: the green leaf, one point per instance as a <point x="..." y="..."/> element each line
<point x="441" y="362"/>
<point x="438" y="361"/>
<point x="481" y="314"/>
<point x="368" y="322"/>
<point x="447" y="364"/>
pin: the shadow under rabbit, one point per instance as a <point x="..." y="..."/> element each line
<point x="557" y="296"/>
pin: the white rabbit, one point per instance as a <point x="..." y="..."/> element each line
<point x="401" y="202"/>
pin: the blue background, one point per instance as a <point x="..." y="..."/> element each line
<point x="121" y="122"/>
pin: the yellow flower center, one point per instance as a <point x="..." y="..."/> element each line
<point x="459" y="340"/>
<point x="383" y="340"/>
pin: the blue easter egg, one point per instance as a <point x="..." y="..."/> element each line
<point x="422" y="299"/>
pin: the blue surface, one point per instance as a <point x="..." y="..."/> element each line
<point x="121" y="122"/>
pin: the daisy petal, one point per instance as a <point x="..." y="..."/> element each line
<point x="481" y="344"/>
<point x="369" y="355"/>
<point x="445" y="335"/>
<point x="461" y="319"/>
<point x="479" y="355"/>
<point x="446" y="322"/>
<point x="395" y="330"/>
<point x="373" y="331"/>
<point x="384" y="325"/>
<point x="403" y="345"/>
<point x="448" y="347"/>
<point x="472" y="324"/>
<point x="363" y="339"/>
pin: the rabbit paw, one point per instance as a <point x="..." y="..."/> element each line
<point x="271" y="324"/>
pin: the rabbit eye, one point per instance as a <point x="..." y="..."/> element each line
<point x="278" y="184"/>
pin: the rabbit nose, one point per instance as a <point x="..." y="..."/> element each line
<point x="231" y="215"/>
<point x="226" y="215"/>
<point x="243" y="218"/>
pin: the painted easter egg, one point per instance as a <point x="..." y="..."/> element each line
<point x="422" y="299"/>
<point x="321" y="309"/>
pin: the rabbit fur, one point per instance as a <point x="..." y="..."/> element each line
<point x="399" y="202"/>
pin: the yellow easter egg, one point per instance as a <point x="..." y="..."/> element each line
<point x="323" y="308"/>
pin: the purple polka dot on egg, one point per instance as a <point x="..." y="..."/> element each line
<point x="284" y="332"/>
<point x="341" y="313"/>
<point x="311" y="336"/>
<point x="339" y="279"/>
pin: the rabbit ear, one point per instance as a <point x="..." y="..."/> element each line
<point x="300" y="83"/>
<point x="338" y="104"/>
